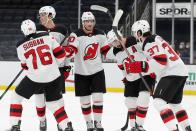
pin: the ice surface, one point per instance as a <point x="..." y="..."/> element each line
<point x="113" y="118"/>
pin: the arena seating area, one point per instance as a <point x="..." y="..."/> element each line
<point x="13" y="12"/>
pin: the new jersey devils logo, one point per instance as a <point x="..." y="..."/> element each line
<point x="91" y="51"/>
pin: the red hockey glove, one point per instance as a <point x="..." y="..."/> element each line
<point x="67" y="70"/>
<point x="153" y="75"/>
<point x="24" y="66"/>
<point x="137" y="67"/>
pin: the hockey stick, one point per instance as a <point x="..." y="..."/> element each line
<point x="102" y="9"/>
<point x="9" y="86"/>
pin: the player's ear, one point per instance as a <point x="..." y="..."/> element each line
<point x="50" y="16"/>
<point x="139" y="33"/>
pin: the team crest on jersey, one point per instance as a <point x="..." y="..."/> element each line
<point x="90" y="52"/>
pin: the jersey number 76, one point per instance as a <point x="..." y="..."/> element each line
<point x="43" y="54"/>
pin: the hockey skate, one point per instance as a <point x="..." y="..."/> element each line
<point x="69" y="127"/>
<point x="177" y="128"/>
<point x="188" y="128"/>
<point x="15" y="127"/>
<point x="140" y="128"/>
<point x="98" y="126"/>
<point x="43" y="125"/>
<point x="90" y="126"/>
<point x="133" y="129"/>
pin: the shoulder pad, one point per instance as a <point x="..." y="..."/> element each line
<point x="34" y="36"/>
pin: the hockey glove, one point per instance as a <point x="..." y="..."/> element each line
<point x="124" y="80"/>
<point x="153" y="75"/>
<point x="66" y="72"/>
<point x="137" y="67"/>
<point x="24" y="66"/>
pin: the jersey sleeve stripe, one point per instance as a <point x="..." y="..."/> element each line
<point x="161" y="59"/>
<point x="59" y="52"/>
<point x="105" y="49"/>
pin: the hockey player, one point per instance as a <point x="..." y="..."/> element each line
<point x="40" y="55"/>
<point x="87" y="44"/>
<point x="136" y="94"/>
<point x="171" y="72"/>
<point x="59" y="32"/>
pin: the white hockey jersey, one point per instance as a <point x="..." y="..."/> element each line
<point x="40" y="53"/>
<point x="122" y="58"/>
<point x="89" y="48"/>
<point x="59" y="32"/>
<point x="163" y="59"/>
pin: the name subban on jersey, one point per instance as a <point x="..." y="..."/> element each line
<point x="33" y="43"/>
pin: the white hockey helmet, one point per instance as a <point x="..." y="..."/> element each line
<point x="49" y="10"/>
<point x="140" y="25"/>
<point x="87" y="16"/>
<point x="28" y="27"/>
<point x="111" y="36"/>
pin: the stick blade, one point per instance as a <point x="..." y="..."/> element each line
<point x="117" y="18"/>
<point x="99" y="8"/>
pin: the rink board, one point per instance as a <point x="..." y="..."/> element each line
<point x="113" y="77"/>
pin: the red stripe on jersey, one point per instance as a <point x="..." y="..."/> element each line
<point x="161" y="59"/>
<point x="62" y="118"/>
<point x="86" y="112"/>
<point x="41" y="111"/>
<point x="141" y="112"/>
<point x="59" y="111"/>
<point x="182" y="118"/>
<point x="57" y="49"/>
<point x="61" y="56"/>
<point x="16" y="106"/>
<point x="60" y="115"/>
<point x="168" y="119"/>
<point x="121" y="67"/>
<point x="181" y="115"/>
<point x="16" y="114"/>
<point x="167" y="115"/>
<point x="59" y="52"/>
<point x="105" y="49"/>
<point x="97" y="110"/>
<point x="132" y="113"/>
<point x="16" y="110"/>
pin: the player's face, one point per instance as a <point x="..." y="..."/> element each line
<point x="43" y="17"/>
<point x="89" y="25"/>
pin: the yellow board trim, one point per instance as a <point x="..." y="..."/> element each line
<point x="109" y="89"/>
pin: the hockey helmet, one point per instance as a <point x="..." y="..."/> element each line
<point x="87" y="16"/>
<point x="140" y="26"/>
<point x="28" y="27"/>
<point x="49" y="10"/>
